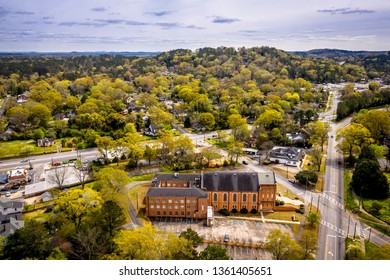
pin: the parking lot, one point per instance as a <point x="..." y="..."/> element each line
<point x="242" y="234"/>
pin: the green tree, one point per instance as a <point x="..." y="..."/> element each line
<point x="39" y="134"/>
<point x="39" y="115"/>
<point x="238" y="125"/>
<point x="56" y="254"/>
<point x="307" y="177"/>
<point x="354" y="251"/>
<point x="313" y="219"/>
<point x="207" y="120"/>
<point x="111" y="217"/>
<point x="191" y="235"/>
<point x="214" y="252"/>
<point x="149" y="243"/>
<point x="18" y="116"/>
<point x="316" y="156"/>
<point x="104" y="145"/>
<point x="308" y="242"/>
<point x="353" y="137"/>
<point x="280" y="244"/>
<point x="77" y="204"/>
<point x="31" y="241"/>
<point x="318" y="132"/>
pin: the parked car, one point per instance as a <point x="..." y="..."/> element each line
<point x="226" y="238"/>
<point x="291" y="181"/>
<point x="245" y="162"/>
<point x="7" y="194"/>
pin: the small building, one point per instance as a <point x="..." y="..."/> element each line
<point x="10" y="209"/>
<point x="296" y="138"/>
<point x="176" y="180"/>
<point x="17" y="176"/>
<point x="46" y="196"/>
<point x="290" y="156"/>
<point x="152" y="130"/>
<point x="45" y="142"/>
<point x="250" y="151"/>
<point x="9" y="228"/>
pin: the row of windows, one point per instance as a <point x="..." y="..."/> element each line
<point x="244" y="197"/>
<point x="172" y="207"/>
<point x="233" y="207"/>
<point x="174" y="201"/>
<point x="170" y="213"/>
<point x="173" y="184"/>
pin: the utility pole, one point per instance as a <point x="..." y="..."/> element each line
<point x="311" y="203"/>
<point x="318" y="204"/>
<point x="369" y="235"/>
<point x="354" y="232"/>
<point x="349" y="218"/>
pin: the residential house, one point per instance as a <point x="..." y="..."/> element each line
<point x="188" y="195"/>
<point x="11" y="227"/>
<point x="45" y="142"/>
<point x="9" y="209"/>
<point x="151" y="130"/>
<point x="296" y="138"/>
<point x="3" y="177"/>
<point x="288" y="155"/>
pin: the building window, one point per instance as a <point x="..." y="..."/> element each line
<point x="170" y="201"/>
<point x="163" y="207"/>
<point x="164" y="213"/>
<point x="151" y="201"/>
<point x="181" y="206"/>
<point x="169" y="184"/>
<point x="194" y="201"/>
<point x="182" y="201"/>
<point x="235" y="197"/>
<point x="163" y="201"/>
<point x="215" y="197"/>
<point x="182" y="213"/>
<point x="170" y="213"/>
<point x="225" y="197"/>
<point x="158" y="206"/>
<point x="234" y="206"/>
<point x="176" y="207"/>
<point x="254" y="198"/>
<point x="185" y="185"/>
<point x="188" y="201"/>
<point x="188" y="207"/>
<point x="188" y="213"/>
<point x="244" y="197"/>
<point x="158" y="200"/>
<point x="152" y="206"/>
<point x="173" y="185"/>
<point x="254" y="207"/>
<point x="170" y="207"/>
<point x="176" y="213"/>
<point x="176" y="201"/>
<point x="244" y="206"/>
<point x="158" y="213"/>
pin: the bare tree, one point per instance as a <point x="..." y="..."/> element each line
<point x="59" y="175"/>
<point x="82" y="175"/>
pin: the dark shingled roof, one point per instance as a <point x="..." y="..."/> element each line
<point x="178" y="177"/>
<point x="176" y="192"/>
<point x="231" y="181"/>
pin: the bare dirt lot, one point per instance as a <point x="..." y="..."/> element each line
<point x="242" y="235"/>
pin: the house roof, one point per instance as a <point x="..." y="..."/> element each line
<point x="289" y="153"/>
<point x="231" y="181"/>
<point x="180" y="177"/>
<point x="267" y="178"/>
<point x="176" y="192"/>
<point x="8" y="203"/>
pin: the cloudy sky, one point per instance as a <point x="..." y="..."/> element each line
<point x="160" y="25"/>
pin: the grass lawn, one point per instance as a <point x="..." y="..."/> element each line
<point x="349" y="199"/>
<point x="24" y="147"/>
<point x="145" y="177"/>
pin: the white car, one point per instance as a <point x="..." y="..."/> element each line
<point x="291" y="181"/>
<point x="7" y="194"/>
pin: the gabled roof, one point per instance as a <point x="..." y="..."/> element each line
<point x="176" y="177"/>
<point x="231" y="181"/>
<point x="176" y="192"/>
<point x="8" y="203"/>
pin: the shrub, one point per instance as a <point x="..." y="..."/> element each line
<point x="254" y="211"/>
<point x="244" y="211"/>
<point x="234" y="211"/>
<point x="224" y="212"/>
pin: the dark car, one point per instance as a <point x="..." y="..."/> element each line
<point x="226" y="238"/>
<point x="245" y="162"/>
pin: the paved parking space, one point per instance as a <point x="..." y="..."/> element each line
<point x="239" y="231"/>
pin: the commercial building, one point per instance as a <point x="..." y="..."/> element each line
<point x="190" y="195"/>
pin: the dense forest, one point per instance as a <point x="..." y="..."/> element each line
<point x="84" y="97"/>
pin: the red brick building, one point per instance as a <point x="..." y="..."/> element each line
<point x="188" y="195"/>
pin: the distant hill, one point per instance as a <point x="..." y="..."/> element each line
<point x="75" y="54"/>
<point x="334" y="53"/>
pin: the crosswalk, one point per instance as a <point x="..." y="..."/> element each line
<point x="336" y="229"/>
<point x="359" y="229"/>
<point x="333" y="200"/>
